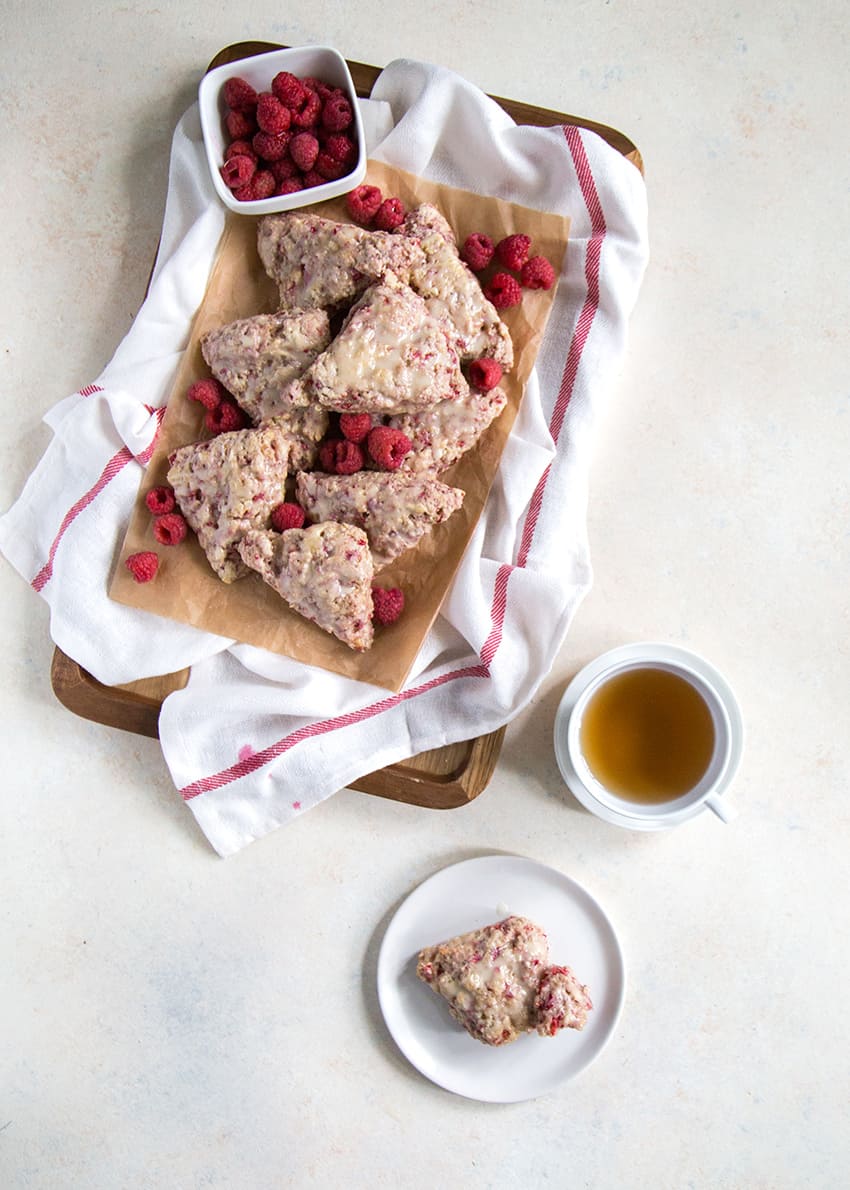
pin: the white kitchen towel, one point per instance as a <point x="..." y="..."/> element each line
<point x="255" y="739"/>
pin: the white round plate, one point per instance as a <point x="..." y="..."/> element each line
<point x="465" y="897"/>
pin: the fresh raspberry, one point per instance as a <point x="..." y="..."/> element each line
<point x="503" y="291"/>
<point x="336" y="113"/>
<point x="288" y="88"/>
<point x="208" y="393"/>
<point x="477" y="251"/>
<point x="341" y="148"/>
<point x="238" y="171"/>
<point x="387" y="447"/>
<point x="262" y="184"/>
<point x="304" y="149"/>
<point x="143" y="566"/>
<point x="169" y="529"/>
<point x="239" y="125"/>
<point x="512" y="251"/>
<point x="329" y="168"/>
<point x="485" y="374"/>
<point x="272" y="116"/>
<point x="289" y="186"/>
<point x="160" y="500"/>
<point x="355" y="426"/>
<point x="390" y="214"/>
<point x="338" y="456"/>
<point x="312" y="178"/>
<point x="271" y="146"/>
<point x="323" y="90"/>
<point x="228" y="416"/>
<point x="284" y="169"/>
<point x="287" y="516"/>
<point x="306" y="112"/>
<point x="239" y="95"/>
<point x="537" y="273"/>
<point x="240" y="148"/>
<point x="387" y="604"/>
<point x="363" y="203"/>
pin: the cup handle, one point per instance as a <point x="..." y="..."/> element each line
<point x="721" y="807"/>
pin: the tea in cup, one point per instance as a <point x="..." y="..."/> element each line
<point x="648" y="735"/>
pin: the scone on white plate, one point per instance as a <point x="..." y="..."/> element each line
<point x="498" y="984"/>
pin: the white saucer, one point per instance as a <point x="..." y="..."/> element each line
<point x="644" y="652"/>
<point x="465" y="897"/>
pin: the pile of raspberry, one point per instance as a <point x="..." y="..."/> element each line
<point x="169" y="528"/>
<point x="297" y="135"/>
<point x="362" y="441"/>
<point x="504" y="288"/>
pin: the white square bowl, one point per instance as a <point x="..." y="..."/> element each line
<point x="314" y="61"/>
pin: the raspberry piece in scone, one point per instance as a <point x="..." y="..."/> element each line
<point x="324" y="573"/>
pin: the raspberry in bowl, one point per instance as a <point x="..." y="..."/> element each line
<point x="271" y="99"/>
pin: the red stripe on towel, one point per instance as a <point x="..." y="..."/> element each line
<point x="115" y="465"/>
<point x="592" y="261"/>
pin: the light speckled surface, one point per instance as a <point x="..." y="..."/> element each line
<point x="170" y="1019"/>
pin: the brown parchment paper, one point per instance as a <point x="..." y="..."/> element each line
<point x="248" y="610"/>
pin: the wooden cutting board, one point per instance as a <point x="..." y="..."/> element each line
<point x="441" y="779"/>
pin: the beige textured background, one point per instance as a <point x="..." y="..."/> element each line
<point x="172" y="1020"/>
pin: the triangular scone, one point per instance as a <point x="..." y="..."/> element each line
<point x="319" y="263"/>
<point x="257" y="358"/>
<point x="453" y="291"/>
<point x="395" y="510"/>
<point x="228" y="485"/>
<point x="324" y="573"/>
<point x="498" y="985"/>
<point x="441" y="434"/>
<point x="390" y="356"/>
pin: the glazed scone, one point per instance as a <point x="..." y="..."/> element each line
<point x="452" y="290"/>
<point x="391" y="356"/>
<point x="440" y="435"/>
<point x="491" y="980"/>
<point x="320" y="263"/>
<point x="395" y="510"/>
<point x="324" y="573"/>
<point x="257" y="358"/>
<point x="228" y="485"/>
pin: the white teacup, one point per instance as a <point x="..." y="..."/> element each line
<point x="709" y="787"/>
